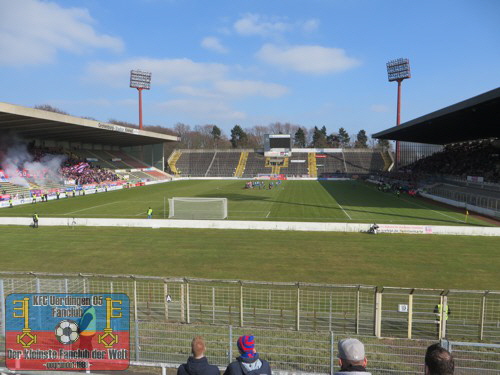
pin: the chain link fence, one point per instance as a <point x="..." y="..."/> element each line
<point x="296" y="325"/>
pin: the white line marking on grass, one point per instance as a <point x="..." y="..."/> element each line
<point x="268" y="214"/>
<point x="427" y="208"/>
<point x="89" y="208"/>
<point x="350" y="218"/>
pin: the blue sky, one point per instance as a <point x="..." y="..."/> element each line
<point x="248" y="62"/>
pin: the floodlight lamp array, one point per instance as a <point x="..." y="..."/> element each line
<point x="140" y="79"/>
<point x="398" y="69"/>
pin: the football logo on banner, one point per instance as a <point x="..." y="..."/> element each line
<point x="51" y="331"/>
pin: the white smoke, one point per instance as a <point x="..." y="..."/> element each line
<point x="15" y="157"/>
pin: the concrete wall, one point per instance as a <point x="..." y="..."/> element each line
<point x="254" y="225"/>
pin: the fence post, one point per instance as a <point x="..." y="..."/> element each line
<point x="297" y="321"/>
<point x="188" y="317"/>
<point x="446" y="344"/>
<point x="241" y="304"/>
<point x="37" y="283"/>
<point x="135" y="300"/>
<point x="332" y="349"/>
<point x="230" y="351"/>
<point x="111" y="287"/>
<point x="66" y="286"/>
<point x="136" y="340"/>
<point x="183" y="317"/>
<point x="2" y="309"/>
<point x="165" y="296"/>
<point x="358" y="292"/>
<point x="213" y="305"/>
<point x="136" y="321"/>
<point x="330" y="314"/>
<point x="483" y="309"/>
<point x="378" y="313"/>
<point x="444" y="316"/>
<point x="410" y="313"/>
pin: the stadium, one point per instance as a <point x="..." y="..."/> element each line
<point x="212" y="206"/>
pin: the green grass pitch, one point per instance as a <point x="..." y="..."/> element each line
<point x="346" y="258"/>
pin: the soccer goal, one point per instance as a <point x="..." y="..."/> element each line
<point x="197" y="208"/>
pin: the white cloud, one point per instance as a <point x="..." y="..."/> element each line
<point x="164" y="71"/>
<point x="265" y="26"/>
<point x="379" y="108"/>
<point x="250" y="88"/>
<point x="255" y="24"/>
<point x="308" y="59"/>
<point x="205" y="111"/>
<point x="213" y="44"/>
<point x="310" y="25"/>
<point x="32" y="32"/>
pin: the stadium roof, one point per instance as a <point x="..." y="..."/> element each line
<point x="474" y="118"/>
<point x="39" y="124"/>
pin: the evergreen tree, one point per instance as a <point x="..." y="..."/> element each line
<point x="319" y="138"/>
<point x="362" y="139"/>
<point x="344" y="137"/>
<point x="384" y="143"/>
<point x="333" y="140"/>
<point x="300" y="138"/>
<point x="238" y="137"/>
<point x="216" y="133"/>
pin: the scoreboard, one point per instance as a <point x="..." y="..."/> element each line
<point x="277" y="145"/>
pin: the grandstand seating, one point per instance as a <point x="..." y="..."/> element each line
<point x="479" y="158"/>
<point x="363" y="161"/>
<point x="294" y="168"/>
<point x="256" y="165"/>
<point x="194" y="163"/>
<point x="223" y="164"/>
<point x="213" y="163"/>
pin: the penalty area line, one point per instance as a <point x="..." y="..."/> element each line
<point x="90" y="208"/>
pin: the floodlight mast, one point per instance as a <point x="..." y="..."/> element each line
<point x="398" y="70"/>
<point x="140" y="80"/>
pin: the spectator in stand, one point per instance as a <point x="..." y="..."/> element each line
<point x="352" y="359"/>
<point x="248" y="362"/>
<point x="438" y="361"/>
<point x="198" y="364"/>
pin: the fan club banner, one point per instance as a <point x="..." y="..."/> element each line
<point x="52" y="331"/>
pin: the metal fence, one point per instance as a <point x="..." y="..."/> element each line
<point x="297" y="325"/>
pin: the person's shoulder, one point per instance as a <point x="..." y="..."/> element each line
<point x="213" y="370"/>
<point x="181" y="370"/>
<point x="232" y="368"/>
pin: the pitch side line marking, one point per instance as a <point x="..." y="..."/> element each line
<point x="268" y="214"/>
<point x="90" y="208"/>
<point x="427" y="208"/>
<point x="350" y="218"/>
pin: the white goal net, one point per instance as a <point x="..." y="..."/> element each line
<point x="197" y="208"/>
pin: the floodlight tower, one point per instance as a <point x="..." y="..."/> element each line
<point x="398" y="70"/>
<point x="140" y="80"/>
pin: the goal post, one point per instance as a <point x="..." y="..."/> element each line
<point x="197" y="208"/>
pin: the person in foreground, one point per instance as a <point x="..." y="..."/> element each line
<point x="248" y="363"/>
<point x="198" y="364"/>
<point x="438" y="361"/>
<point x="352" y="358"/>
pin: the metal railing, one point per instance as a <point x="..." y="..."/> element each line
<point x="297" y="325"/>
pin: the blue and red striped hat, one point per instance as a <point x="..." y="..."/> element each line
<point x="246" y="346"/>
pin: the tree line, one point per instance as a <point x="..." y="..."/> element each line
<point x="210" y="136"/>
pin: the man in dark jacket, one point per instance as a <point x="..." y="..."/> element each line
<point x="248" y="363"/>
<point x="198" y="363"/>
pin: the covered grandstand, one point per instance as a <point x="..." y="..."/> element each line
<point x="453" y="153"/>
<point x="91" y="152"/>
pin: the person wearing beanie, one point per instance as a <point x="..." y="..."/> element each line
<point x="352" y="358"/>
<point x="198" y="364"/>
<point x="248" y="362"/>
